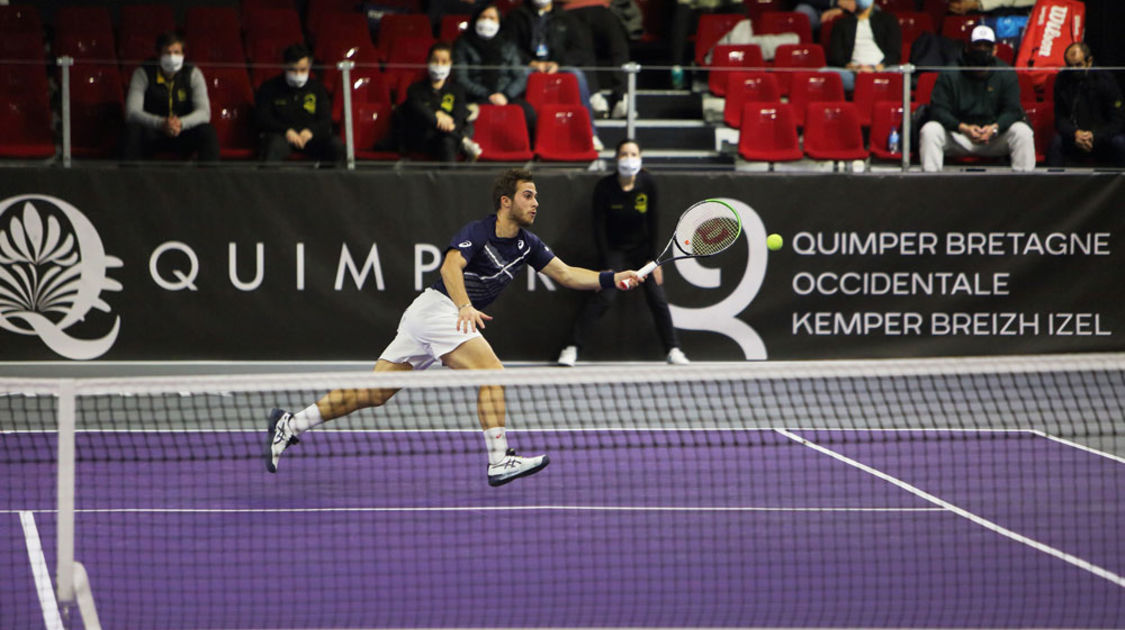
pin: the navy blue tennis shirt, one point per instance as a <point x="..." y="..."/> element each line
<point x="493" y="262"/>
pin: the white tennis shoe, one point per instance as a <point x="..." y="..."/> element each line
<point x="568" y="356"/>
<point x="513" y="467"/>
<point x="279" y="437"/>
<point x="677" y="357"/>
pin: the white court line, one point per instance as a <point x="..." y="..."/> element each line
<point x="963" y="513"/>
<point x="39" y="570"/>
<point x="1081" y="447"/>
<point x="500" y="508"/>
<point x="562" y="430"/>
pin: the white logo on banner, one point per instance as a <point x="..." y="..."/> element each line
<point x="52" y="274"/>
<point x="722" y="317"/>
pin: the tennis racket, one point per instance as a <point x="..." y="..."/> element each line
<point x="704" y="229"/>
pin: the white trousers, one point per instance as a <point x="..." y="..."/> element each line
<point x="936" y="142"/>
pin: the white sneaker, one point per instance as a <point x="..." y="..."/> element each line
<point x="598" y="146"/>
<point x="676" y="357"/>
<point x="568" y="356"/>
<point x="621" y="109"/>
<point x="279" y="437"/>
<point x="472" y="149"/>
<point x="513" y="467"/>
<point x="599" y="105"/>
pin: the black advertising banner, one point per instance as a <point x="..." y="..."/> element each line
<point x="244" y="264"/>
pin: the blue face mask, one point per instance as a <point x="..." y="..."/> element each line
<point x="863" y="5"/>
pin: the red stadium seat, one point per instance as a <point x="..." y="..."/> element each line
<point x="371" y="129"/>
<point x="501" y="131"/>
<point x="249" y="6"/>
<point x="452" y="26"/>
<point x="407" y="62"/>
<point x="232" y="112"/>
<point x="960" y="26"/>
<point x="1027" y="87"/>
<point x="320" y="12"/>
<point x="791" y="56"/>
<point x="20" y="18"/>
<point x="146" y="21"/>
<point x="886" y="115"/>
<point x="1005" y="53"/>
<point x="925" y="87"/>
<point x="871" y="87"/>
<point x="342" y="38"/>
<point x="83" y="19"/>
<point x="652" y="20"/>
<point x="755" y="8"/>
<point x="394" y="27"/>
<point x="508" y="5"/>
<point x="25" y="83"/>
<point x="895" y="6"/>
<point x="826" y="32"/>
<point x="22" y="46"/>
<point x="1049" y="88"/>
<point x="768" y="133"/>
<point x="912" y="25"/>
<point x="369" y="85"/>
<point x="96" y="109"/>
<point x="712" y="27"/>
<point x="1041" y="117"/>
<point x="832" y="132"/>
<point x="264" y="54"/>
<point x="748" y="87"/>
<point x="272" y="24"/>
<point x="743" y="56"/>
<point x="560" y="88"/>
<point x="786" y="22"/>
<point x="87" y="45"/>
<point x="936" y="9"/>
<point x="809" y="87"/>
<point x="25" y="130"/>
<point x="563" y="134"/>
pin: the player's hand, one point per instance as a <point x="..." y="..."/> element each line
<point x="470" y="320"/>
<point x="626" y="280"/>
<point x="445" y="122"/>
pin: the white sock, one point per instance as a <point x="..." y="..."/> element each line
<point x="496" y="441"/>
<point x="305" y="420"/>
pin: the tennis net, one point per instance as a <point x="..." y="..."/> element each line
<point x="928" y="493"/>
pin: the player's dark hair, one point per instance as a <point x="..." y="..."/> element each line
<point x="506" y="182"/>
<point x="168" y="38"/>
<point x="295" y="53"/>
<point x="624" y="142"/>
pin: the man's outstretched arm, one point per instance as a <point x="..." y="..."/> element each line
<point x="587" y="279"/>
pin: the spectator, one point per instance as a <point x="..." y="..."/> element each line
<point x="626" y="234"/>
<point x="294" y="113"/>
<point x="961" y="7"/>
<point x="1089" y="115"/>
<point x="821" y="11"/>
<point x="867" y="39"/>
<point x="977" y="112"/>
<point x="489" y="66"/>
<point x="611" y="50"/>
<point x="167" y="109"/>
<point x="549" y="40"/>
<point x="434" y="119"/>
<point x="685" y="22"/>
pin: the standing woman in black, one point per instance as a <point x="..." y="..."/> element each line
<point x="626" y="235"/>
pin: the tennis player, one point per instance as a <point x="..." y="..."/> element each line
<point x="444" y="323"/>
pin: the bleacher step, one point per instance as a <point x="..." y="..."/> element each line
<point x="672" y="134"/>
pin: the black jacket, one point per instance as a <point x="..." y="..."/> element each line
<point x="884" y="26"/>
<point x="423" y="102"/>
<point x="961" y="97"/>
<point x="1090" y="102"/>
<point x="569" y="42"/>
<point x="280" y="107"/>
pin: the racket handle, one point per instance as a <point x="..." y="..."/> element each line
<point x="647" y="269"/>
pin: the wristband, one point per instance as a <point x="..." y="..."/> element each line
<point x="605" y="279"/>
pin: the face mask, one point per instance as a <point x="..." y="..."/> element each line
<point x="438" y="71"/>
<point x="171" y="64"/>
<point x="863" y="5"/>
<point x="975" y="57"/>
<point x="628" y="167"/>
<point x="487" y="29"/>
<point x="540" y="4"/>
<point x="297" y="79"/>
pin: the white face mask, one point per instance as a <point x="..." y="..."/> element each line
<point x="438" y="71"/>
<point x="628" y="166"/>
<point x="487" y="29"/>
<point x="297" y="79"/>
<point x="541" y="4"/>
<point x="171" y="64"/>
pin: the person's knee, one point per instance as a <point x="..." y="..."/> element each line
<point x="1021" y="132"/>
<point x="932" y="131"/>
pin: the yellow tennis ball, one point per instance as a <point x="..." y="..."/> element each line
<point x="774" y="242"/>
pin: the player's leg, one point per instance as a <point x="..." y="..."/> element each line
<point x="503" y="463"/>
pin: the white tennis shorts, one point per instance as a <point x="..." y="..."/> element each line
<point x="426" y="332"/>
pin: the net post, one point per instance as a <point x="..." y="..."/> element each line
<point x="65" y="62"/>
<point x="907" y="74"/>
<point x="349" y="136"/>
<point x="64" y="571"/>
<point x="631" y="69"/>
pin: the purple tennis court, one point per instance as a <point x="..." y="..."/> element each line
<point x="625" y="528"/>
